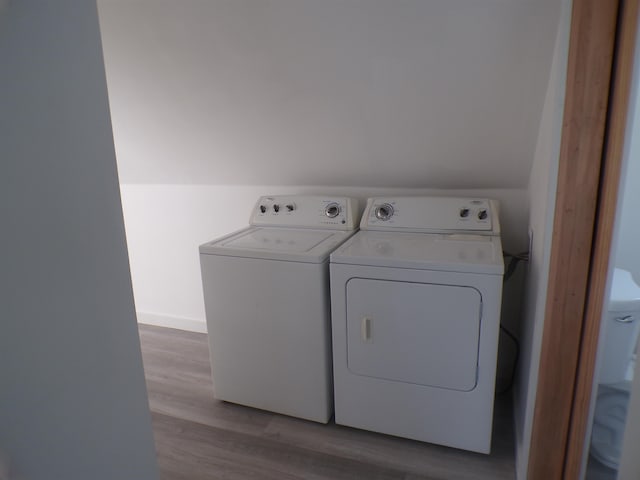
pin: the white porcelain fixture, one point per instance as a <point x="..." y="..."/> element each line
<point x="616" y="368"/>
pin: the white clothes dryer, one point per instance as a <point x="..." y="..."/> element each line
<point x="416" y="297"/>
<point x="266" y="292"/>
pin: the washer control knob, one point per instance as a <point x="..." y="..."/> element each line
<point x="291" y="207"/>
<point x="464" y="212"/>
<point x="482" y="214"/>
<point x="276" y="207"/>
<point x="263" y="208"/>
<point x="332" y="210"/>
<point x="384" y="212"/>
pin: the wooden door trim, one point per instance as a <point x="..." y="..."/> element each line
<point x="591" y="49"/>
<point x="605" y="220"/>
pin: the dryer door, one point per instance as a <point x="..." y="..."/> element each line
<point x="421" y="333"/>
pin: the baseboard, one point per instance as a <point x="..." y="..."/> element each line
<point x="187" y="324"/>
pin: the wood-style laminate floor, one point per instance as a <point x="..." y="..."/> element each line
<point x="198" y="437"/>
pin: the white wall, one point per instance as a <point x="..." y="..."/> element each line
<point x="385" y="93"/>
<point x="248" y="97"/>
<point x="627" y="256"/>
<point x="542" y="192"/>
<point x="624" y="252"/>
<point x="166" y="223"/>
<point x="73" y="403"/>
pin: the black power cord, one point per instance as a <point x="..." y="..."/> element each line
<point x="516" y="357"/>
<point x="512" y="264"/>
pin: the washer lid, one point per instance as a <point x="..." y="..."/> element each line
<point x="290" y="244"/>
<point x="625" y="292"/>
<point x="445" y="252"/>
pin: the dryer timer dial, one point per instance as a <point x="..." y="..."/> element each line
<point x="384" y="212"/>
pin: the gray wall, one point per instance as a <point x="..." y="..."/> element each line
<point x="73" y="403"/>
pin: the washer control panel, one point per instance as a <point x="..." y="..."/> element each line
<point x="337" y="213"/>
<point x="432" y="214"/>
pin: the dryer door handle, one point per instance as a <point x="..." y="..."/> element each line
<point x="365" y="329"/>
<point x="625" y="319"/>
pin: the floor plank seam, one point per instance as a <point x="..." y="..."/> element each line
<point x="198" y="437"/>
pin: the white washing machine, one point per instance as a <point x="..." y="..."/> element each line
<point x="415" y="298"/>
<point x="266" y="291"/>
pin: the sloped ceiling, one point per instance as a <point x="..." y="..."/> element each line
<point x="394" y="93"/>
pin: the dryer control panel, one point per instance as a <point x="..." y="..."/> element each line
<point x="306" y="211"/>
<point x="432" y="215"/>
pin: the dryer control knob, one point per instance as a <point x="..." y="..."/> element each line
<point x="482" y="214"/>
<point x="332" y="210"/>
<point x="464" y="212"/>
<point x="263" y="208"/>
<point x="290" y="207"/>
<point x="384" y="212"/>
<point x="276" y="208"/>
